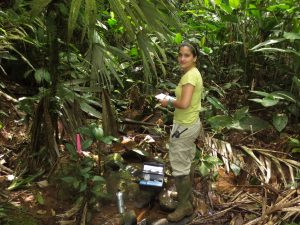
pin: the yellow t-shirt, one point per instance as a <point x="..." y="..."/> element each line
<point x="191" y="114"/>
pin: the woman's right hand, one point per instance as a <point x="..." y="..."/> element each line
<point x="164" y="102"/>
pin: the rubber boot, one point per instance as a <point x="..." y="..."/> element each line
<point x="185" y="207"/>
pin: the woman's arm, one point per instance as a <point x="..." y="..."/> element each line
<point x="185" y="100"/>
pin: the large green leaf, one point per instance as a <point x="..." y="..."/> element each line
<point x="220" y="121"/>
<point x="226" y="8"/>
<point x="268" y="42"/>
<point x="178" y="38"/>
<point x="291" y="36"/>
<point x="254" y="11"/>
<point x="203" y="169"/>
<point x="253" y="123"/>
<point x="42" y="75"/>
<point x="278" y="50"/>
<point x="281" y="6"/>
<point x="261" y="93"/>
<point x="241" y="113"/>
<point x="266" y="101"/>
<point x="90" y="110"/>
<point x="37" y="6"/>
<point x="216" y="103"/>
<point x="285" y="95"/>
<point x="280" y="121"/>
<point x="234" y="3"/>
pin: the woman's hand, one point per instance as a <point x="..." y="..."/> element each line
<point x="163" y="102"/>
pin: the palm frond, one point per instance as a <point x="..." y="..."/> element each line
<point x="37" y="6"/>
<point x="73" y="15"/>
<point x="119" y="9"/>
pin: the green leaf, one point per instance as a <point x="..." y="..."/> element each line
<point x="216" y="103"/>
<point x="278" y="50"/>
<point x="83" y="187"/>
<point x="281" y="6"/>
<point x="234" y="3"/>
<point x="90" y="110"/>
<point x="85" y="170"/>
<point x="68" y="179"/>
<point x="98" y="178"/>
<point x="253" y="10"/>
<point x="203" y="169"/>
<point x="73" y="15"/>
<point x="253" y="123"/>
<point x="108" y="139"/>
<point x="261" y="93"/>
<point x="37" y="6"/>
<point x="76" y="184"/>
<point x="226" y="8"/>
<point x="268" y="42"/>
<point x="42" y="74"/>
<point x="285" y="95"/>
<point x="295" y="150"/>
<point x="296" y="81"/>
<point x="87" y="143"/>
<point x="4" y="113"/>
<point x="39" y="198"/>
<point x="280" y="121"/>
<point x="241" y="113"/>
<point x="97" y="133"/>
<point x="269" y="101"/>
<point x="178" y="38"/>
<point x="266" y="102"/>
<point x="212" y="160"/>
<point x="71" y="149"/>
<point x="133" y="52"/>
<point x="291" y="36"/>
<point x="220" y="121"/>
<point x="112" y="22"/>
<point x="294" y="142"/>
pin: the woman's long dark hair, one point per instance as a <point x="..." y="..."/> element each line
<point x="193" y="47"/>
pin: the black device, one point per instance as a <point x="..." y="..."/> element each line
<point x="177" y="134"/>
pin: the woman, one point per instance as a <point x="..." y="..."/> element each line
<point x="186" y="128"/>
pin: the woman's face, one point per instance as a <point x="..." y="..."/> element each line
<point x="186" y="58"/>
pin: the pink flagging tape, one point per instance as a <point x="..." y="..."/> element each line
<point x="78" y="144"/>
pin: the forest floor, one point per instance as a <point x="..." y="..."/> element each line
<point x="236" y="199"/>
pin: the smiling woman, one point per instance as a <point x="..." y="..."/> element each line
<point x="186" y="128"/>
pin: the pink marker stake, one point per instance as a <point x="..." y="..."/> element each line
<point x="78" y="144"/>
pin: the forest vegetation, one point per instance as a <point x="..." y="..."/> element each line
<point x="77" y="86"/>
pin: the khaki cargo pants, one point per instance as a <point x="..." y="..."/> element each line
<point x="182" y="148"/>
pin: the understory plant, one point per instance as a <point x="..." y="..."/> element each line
<point x="84" y="174"/>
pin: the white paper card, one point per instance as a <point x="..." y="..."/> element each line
<point x="163" y="96"/>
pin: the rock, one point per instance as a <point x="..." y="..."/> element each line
<point x="166" y="202"/>
<point x="144" y="198"/>
<point x="43" y="183"/>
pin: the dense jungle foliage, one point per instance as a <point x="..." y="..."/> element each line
<point x="93" y="66"/>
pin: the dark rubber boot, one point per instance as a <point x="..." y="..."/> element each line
<point x="185" y="207"/>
